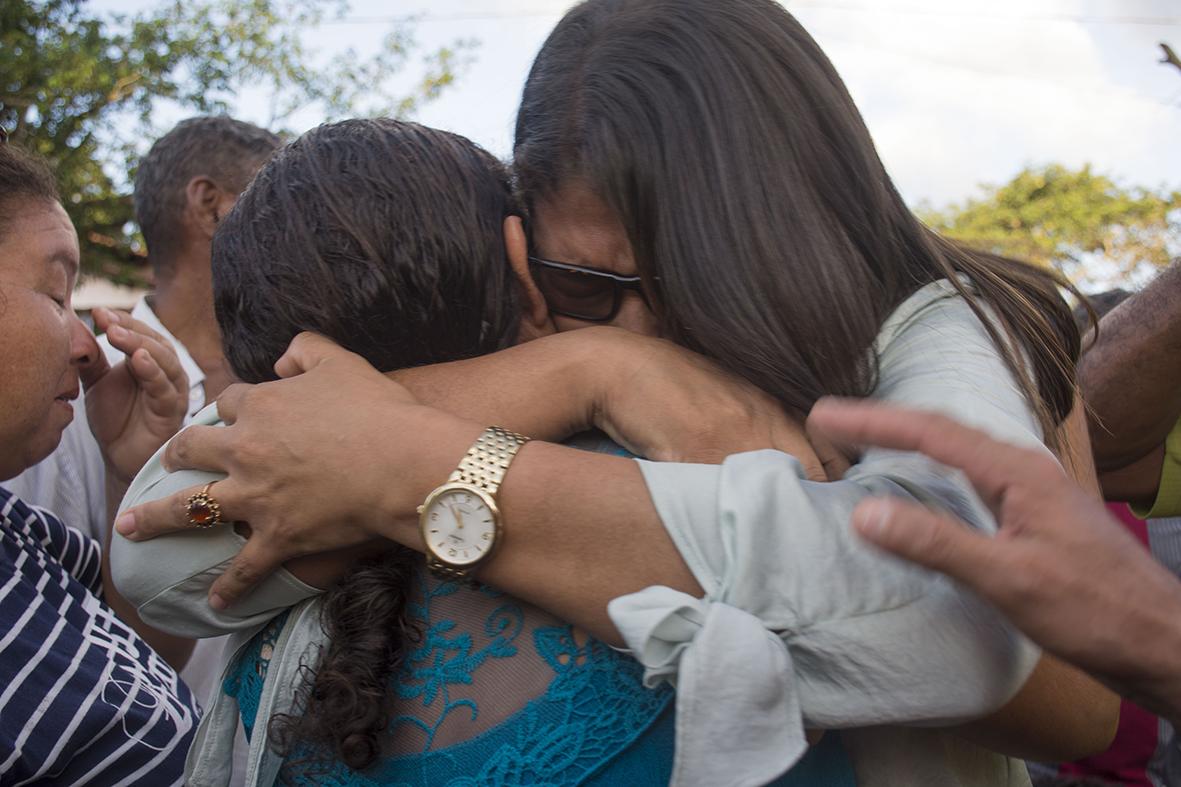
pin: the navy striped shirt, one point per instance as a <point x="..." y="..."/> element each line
<point x="83" y="700"/>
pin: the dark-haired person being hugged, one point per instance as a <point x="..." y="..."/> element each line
<point x="695" y="170"/>
<point x="83" y="698"/>
<point x="405" y="244"/>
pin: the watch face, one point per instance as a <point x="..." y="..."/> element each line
<point x="459" y="526"/>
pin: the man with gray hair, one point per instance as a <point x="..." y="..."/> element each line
<point x="186" y="183"/>
<point x="190" y="178"/>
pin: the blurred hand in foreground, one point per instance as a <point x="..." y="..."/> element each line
<point x="1060" y="567"/>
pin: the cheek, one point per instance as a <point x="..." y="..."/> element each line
<point x="35" y="353"/>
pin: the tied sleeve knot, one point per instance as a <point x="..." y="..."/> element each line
<point x="738" y="711"/>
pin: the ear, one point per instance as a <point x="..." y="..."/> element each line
<point x="535" y="317"/>
<point x="205" y="205"/>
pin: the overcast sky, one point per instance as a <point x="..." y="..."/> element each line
<point x="955" y="92"/>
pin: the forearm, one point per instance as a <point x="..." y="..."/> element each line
<point x="543" y="388"/>
<point x="1128" y="376"/>
<point x="175" y="650"/>
<point x="580" y="529"/>
<point x="1152" y="677"/>
<point x="1060" y="714"/>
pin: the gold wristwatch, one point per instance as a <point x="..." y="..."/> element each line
<point x="460" y="521"/>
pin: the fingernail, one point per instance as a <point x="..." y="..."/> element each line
<point x="872" y="518"/>
<point x="125" y="524"/>
<point x="217" y="602"/>
<point x="117" y="331"/>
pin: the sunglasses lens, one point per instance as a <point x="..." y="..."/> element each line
<point x="583" y="296"/>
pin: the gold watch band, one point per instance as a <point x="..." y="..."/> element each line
<point x="449" y="573"/>
<point x="485" y="463"/>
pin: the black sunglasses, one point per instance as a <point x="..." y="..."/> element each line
<point x="582" y="293"/>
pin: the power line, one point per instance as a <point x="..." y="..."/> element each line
<point x="1149" y="21"/>
<point x="462" y="16"/>
<point x="456" y="17"/>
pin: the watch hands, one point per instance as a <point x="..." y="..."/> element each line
<point x="458" y="518"/>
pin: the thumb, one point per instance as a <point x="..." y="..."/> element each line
<point x="929" y="538"/>
<point x="306" y="352"/>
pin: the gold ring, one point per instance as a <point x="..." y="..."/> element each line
<point x="202" y="510"/>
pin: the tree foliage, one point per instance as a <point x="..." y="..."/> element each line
<point x="80" y="88"/>
<point x="1069" y="219"/>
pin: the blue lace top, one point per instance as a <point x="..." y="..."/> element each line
<point x="588" y="720"/>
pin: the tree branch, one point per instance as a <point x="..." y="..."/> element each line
<point x="1170" y="57"/>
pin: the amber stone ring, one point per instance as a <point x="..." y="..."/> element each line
<point x="203" y="511"/>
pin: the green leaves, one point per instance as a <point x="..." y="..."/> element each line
<point x="1070" y="220"/>
<point x="80" y="89"/>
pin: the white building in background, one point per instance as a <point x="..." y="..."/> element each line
<point x="93" y="292"/>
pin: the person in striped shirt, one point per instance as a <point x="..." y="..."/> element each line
<point x="84" y="696"/>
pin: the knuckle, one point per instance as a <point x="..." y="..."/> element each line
<point x="179" y="450"/>
<point x="243" y="572"/>
<point x="248" y="400"/>
<point x="930" y="540"/>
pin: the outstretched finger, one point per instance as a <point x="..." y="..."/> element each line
<point x="254" y="563"/>
<point x="930" y="538"/>
<point x="128" y="334"/>
<point x="165" y="357"/>
<point x="105" y="318"/>
<point x="990" y="465"/>
<point x="163" y="397"/>
<point x="171" y="514"/>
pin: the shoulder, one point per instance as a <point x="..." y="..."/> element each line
<point x="933" y="306"/>
<point x="935" y="352"/>
<point x="28" y="527"/>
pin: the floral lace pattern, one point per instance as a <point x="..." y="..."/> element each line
<point x="595" y="705"/>
<point x="592" y="722"/>
<point x="449" y="656"/>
